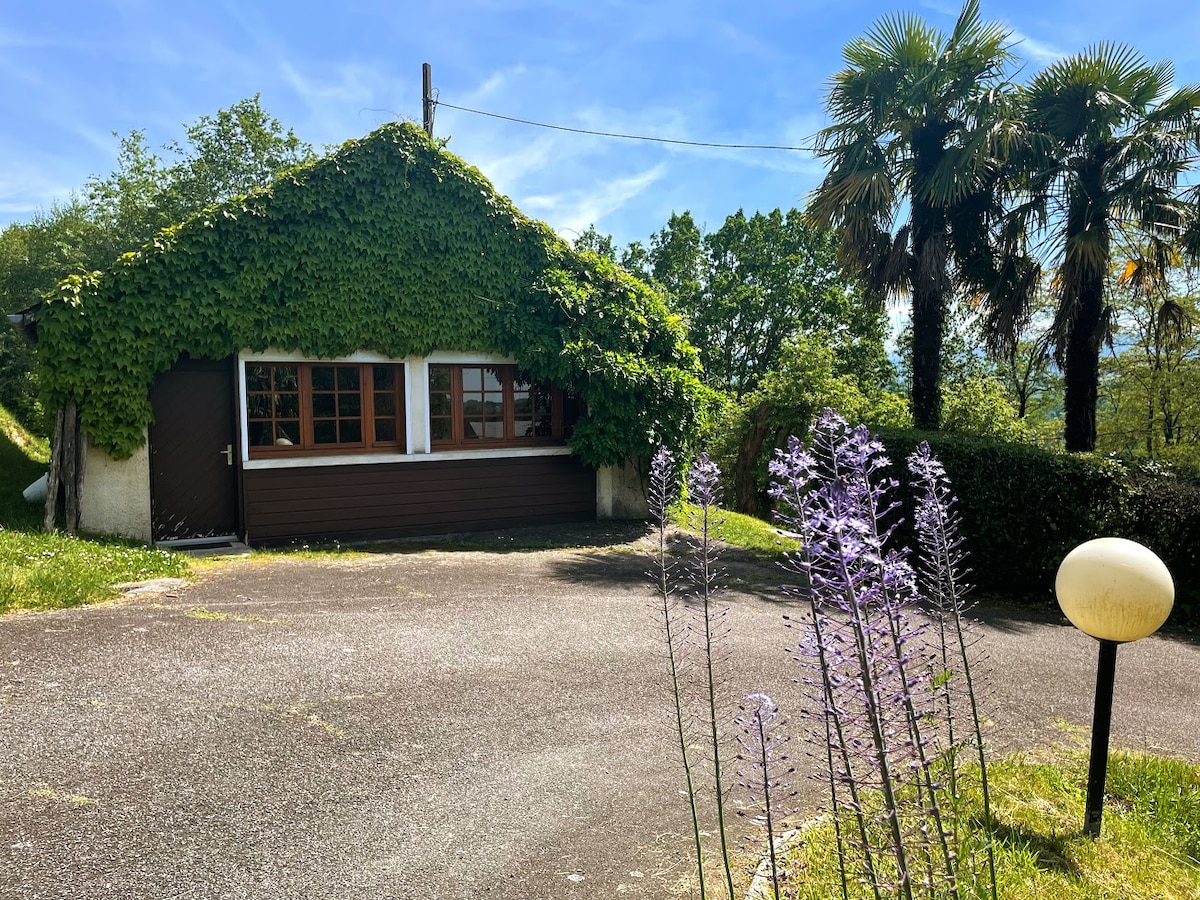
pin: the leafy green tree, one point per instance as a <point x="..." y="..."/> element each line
<point x="920" y="119"/>
<point x="1150" y="381"/>
<point x="592" y="240"/>
<point x="980" y="404"/>
<point x="804" y="381"/>
<point x="1108" y="144"/>
<point x="752" y="285"/>
<point x="677" y="262"/>
<point x="1029" y="376"/>
<point x="34" y="256"/>
<point x="231" y="153"/>
<point x="236" y="150"/>
<point x="770" y="278"/>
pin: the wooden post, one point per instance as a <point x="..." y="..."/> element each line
<point x="427" y="98"/>
<point x="56" y="441"/>
<point x="70" y="467"/>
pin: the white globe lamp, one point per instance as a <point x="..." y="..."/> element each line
<point x="1117" y="591"/>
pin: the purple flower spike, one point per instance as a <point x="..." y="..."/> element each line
<point x="703" y="482"/>
<point x="876" y="676"/>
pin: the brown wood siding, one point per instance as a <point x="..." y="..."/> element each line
<point x="403" y="499"/>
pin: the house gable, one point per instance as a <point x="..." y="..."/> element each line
<point x="388" y="246"/>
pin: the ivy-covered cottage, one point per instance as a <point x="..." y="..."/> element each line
<point x="377" y="344"/>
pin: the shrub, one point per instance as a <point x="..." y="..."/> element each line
<point x="1025" y="508"/>
<point x="1164" y="514"/>
<point x="807" y="379"/>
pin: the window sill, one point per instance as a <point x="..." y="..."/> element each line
<point x="360" y="459"/>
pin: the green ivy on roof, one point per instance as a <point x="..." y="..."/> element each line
<point x="390" y="245"/>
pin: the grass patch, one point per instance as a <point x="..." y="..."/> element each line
<point x="1149" y="848"/>
<point x="55" y="571"/>
<point x="737" y="530"/>
<point x="52" y="571"/>
<point x="23" y="459"/>
<point x="200" y="612"/>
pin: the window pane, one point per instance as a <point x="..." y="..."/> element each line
<point x="439" y="404"/>
<point x="494" y="430"/>
<point x="287" y="378"/>
<point x="494" y="403"/>
<point x="385" y="404"/>
<point x="440" y="429"/>
<point x="472" y="379"/>
<point x="325" y="432"/>
<point x="572" y="410"/>
<point x="523" y="406"/>
<point x="492" y="380"/>
<point x="523" y="428"/>
<point x="322" y="378"/>
<point x="351" y="431"/>
<point x="349" y="405"/>
<point x="384" y="378"/>
<point x="258" y="406"/>
<point x="439" y="378"/>
<point x="347" y="378"/>
<point x="287" y="406"/>
<point x="287" y="434"/>
<point x="473" y="429"/>
<point x="260" y="434"/>
<point x="323" y="406"/>
<point x="385" y="430"/>
<point x="258" y="378"/>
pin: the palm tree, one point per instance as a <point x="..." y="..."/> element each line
<point x="919" y="120"/>
<point x="1106" y="148"/>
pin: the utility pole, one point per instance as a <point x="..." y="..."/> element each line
<point x="427" y="98"/>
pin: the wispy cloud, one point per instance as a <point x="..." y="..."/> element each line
<point x="25" y="189"/>
<point x="493" y="86"/>
<point x="1038" y="52"/>
<point x="742" y="41"/>
<point x="509" y="170"/>
<point x="570" y="212"/>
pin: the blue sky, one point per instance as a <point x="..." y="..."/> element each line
<point x="75" y="72"/>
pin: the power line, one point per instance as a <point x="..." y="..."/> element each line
<point x="628" y="137"/>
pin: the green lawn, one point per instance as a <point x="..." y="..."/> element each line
<point x="736" y="529"/>
<point x="52" y="571"/>
<point x="1149" y="848"/>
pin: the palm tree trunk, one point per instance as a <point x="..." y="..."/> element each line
<point x="1081" y="368"/>
<point x="928" y="318"/>
<point x="929" y="287"/>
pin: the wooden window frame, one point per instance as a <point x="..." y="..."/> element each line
<point x="457" y="416"/>
<point x="367" y="393"/>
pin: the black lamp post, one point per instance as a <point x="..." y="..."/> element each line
<point x="1117" y="591"/>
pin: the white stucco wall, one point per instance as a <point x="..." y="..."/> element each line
<point x="620" y="493"/>
<point x="115" y="497"/>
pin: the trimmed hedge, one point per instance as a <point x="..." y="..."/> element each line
<point x="1024" y="509"/>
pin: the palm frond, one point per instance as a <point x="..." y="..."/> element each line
<point x="1009" y="302"/>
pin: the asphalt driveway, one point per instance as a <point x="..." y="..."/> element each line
<point x="425" y="724"/>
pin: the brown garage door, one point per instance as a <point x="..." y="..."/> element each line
<point x="193" y="476"/>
